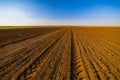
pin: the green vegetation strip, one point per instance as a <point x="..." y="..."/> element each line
<point x="15" y="27"/>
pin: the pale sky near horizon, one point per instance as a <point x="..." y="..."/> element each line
<point x="59" y="12"/>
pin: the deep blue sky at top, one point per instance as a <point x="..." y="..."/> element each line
<point x="68" y="9"/>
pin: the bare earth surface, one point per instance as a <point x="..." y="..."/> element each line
<point x="85" y="53"/>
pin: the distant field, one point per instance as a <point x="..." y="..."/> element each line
<point x="13" y="27"/>
<point x="8" y="36"/>
<point x="75" y="53"/>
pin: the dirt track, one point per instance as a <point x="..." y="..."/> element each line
<point x="61" y="54"/>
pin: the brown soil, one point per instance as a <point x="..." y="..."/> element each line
<point x="60" y="54"/>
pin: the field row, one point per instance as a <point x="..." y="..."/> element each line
<point x="17" y="62"/>
<point x="94" y="58"/>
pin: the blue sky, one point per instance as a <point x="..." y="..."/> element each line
<point x="59" y="12"/>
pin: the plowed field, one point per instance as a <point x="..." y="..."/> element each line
<point x="84" y="53"/>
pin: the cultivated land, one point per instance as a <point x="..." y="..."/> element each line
<point x="84" y="53"/>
